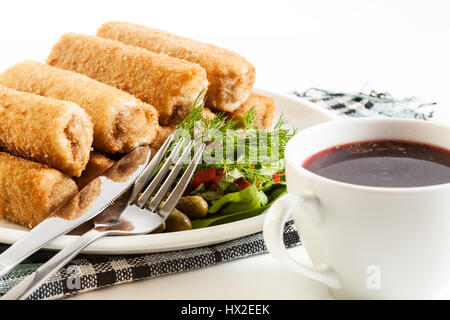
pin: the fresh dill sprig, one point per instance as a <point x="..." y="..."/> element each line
<point x="249" y="119"/>
<point x="220" y="122"/>
<point x="242" y="136"/>
<point x="195" y="114"/>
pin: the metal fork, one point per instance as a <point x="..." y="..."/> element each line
<point x="141" y="218"/>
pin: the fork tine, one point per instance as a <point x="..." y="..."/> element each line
<point x="177" y="192"/>
<point x="143" y="199"/>
<point x="145" y="176"/>
<point x="155" y="202"/>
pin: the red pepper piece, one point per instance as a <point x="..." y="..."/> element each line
<point x="242" y="183"/>
<point x="187" y="191"/>
<point x="219" y="174"/>
<point x="277" y="177"/>
<point x="205" y="176"/>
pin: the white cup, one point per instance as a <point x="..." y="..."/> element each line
<point x="365" y="242"/>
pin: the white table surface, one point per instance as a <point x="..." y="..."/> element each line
<point x="401" y="47"/>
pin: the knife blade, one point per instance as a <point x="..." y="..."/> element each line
<point x="89" y="202"/>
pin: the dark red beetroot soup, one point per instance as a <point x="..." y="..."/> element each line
<point x="385" y="163"/>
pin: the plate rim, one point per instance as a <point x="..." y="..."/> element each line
<point x="139" y="244"/>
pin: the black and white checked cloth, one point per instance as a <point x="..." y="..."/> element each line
<point x="368" y="103"/>
<point x="90" y="272"/>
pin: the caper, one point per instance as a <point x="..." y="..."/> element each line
<point x="194" y="207"/>
<point x="160" y="229"/>
<point x="178" y="221"/>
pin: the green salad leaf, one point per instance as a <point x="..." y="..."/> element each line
<point x="221" y="218"/>
<point x="228" y="179"/>
<point x="252" y="181"/>
<point x="263" y="199"/>
<point x="237" y="201"/>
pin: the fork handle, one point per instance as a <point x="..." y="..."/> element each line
<point x="25" y="288"/>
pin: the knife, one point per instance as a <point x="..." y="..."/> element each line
<point x="89" y="202"/>
<point x="25" y="288"/>
<point x="105" y="223"/>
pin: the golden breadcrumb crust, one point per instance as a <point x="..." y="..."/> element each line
<point x="50" y="131"/>
<point x="120" y="123"/>
<point x="207" y="113"/>
<point x="98" y="163"/>
<point x="264" y="107"/>
<point x="30" y="191"/>
<point x="152" y="116"/>
<point x="161" y="136"/>
<point x="230" y="76"/>
<point x="171" y="85"/>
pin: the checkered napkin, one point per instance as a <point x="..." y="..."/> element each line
<point x="90" y="272"/>
<point x="369" y="103"/>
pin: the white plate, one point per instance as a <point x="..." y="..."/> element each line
<point x="298" y="112"/>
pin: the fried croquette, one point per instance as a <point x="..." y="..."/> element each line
<point x="54" y="132"/>
<point x="98" y="163"/>
<point x="264" y="110"/>
<point x="161" y="136"/>
<point x="230" y="76"/>
<point x="171" y="85"/>
<point x="30" y="191"/>
<point x="121" y="121"/>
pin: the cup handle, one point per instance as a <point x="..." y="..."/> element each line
<point x="273" y="236"/>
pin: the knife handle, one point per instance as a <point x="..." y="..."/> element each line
<point x="25" y="288"/>
<point x="28" y="245"/>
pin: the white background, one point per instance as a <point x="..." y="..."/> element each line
<point x="402" y="47"/>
